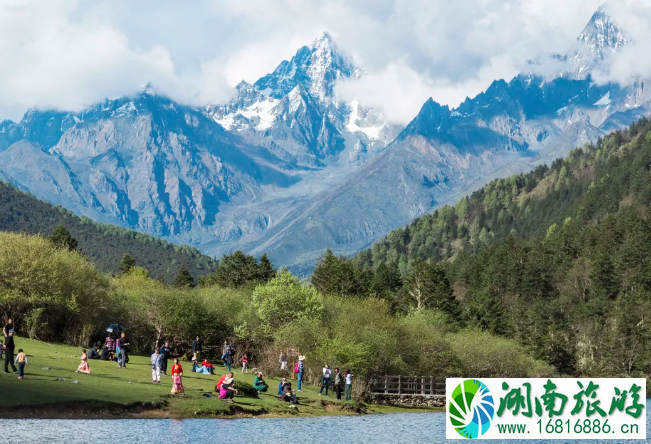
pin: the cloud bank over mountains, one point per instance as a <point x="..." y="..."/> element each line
<point x="68" y="54"/>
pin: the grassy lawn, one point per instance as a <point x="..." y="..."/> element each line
<point x="50" y="375"/>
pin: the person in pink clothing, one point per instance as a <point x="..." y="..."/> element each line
<point x="83" y="366"/>
<point x="227" y="390"/>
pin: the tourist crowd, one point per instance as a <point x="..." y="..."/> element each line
<point x="117" y="347"/>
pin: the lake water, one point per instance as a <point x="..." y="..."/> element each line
<point x="409" y="428"/>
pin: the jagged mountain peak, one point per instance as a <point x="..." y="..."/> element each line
<point x="317" y="67"/>
<point x="603" y="34"/>
<point x="324" y="41"/>
<point x="601" y="38"/>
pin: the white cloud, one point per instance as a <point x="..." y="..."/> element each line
<point x="70" y="53"/>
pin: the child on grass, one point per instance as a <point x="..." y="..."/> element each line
<point x="21" y="360"/>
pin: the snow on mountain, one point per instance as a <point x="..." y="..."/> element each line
<point x="287" y="168"/>
<point x="600" y="39"/>
<point x="313" y="71"/>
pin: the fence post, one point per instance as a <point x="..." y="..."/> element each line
<point x="399" y="384"/>
<point x="386" y="384"/>
<point x="431" y="386"/>
<point x="422" y="385"/>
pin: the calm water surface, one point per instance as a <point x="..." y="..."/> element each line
<point x="409" y="428"/>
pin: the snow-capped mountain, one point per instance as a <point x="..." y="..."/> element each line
<point x="287" y="168"/>
<point x="601" y="39"/>
<point x="444" y="154"/>
<point x="295" y="114"/>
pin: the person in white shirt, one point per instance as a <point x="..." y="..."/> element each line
<point x="326" y="379"/>
<point x="349" y="385"/>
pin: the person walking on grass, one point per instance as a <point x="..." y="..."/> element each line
<point x="259" y="383"/>
<point x="325" y="383"/>
<point x="9" y="347"/>
<point x="298" y="369"/>
<point x="338" y="383"/>
<point x="196" y="349"/>
<point x="123" y="343"/>
<point x="228" y="358"/>
<point x="83" y="365"/>
<point x="349" y="385"/>
<point x="156" y="364"/>
<point x="165" y="355"/>
<point x="245" y="363"/>
<point x="225" y="349"/>
<point x="21" y="361"/>
<point x="177" y="381"/>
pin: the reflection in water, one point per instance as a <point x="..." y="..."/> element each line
<point x="411" y="428"/>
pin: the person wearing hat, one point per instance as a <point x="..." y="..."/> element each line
<point x="9" y="348"/>
<point x="227" y="390"/>
<point x="299" y="372"/>
<point x="259" y="383"/>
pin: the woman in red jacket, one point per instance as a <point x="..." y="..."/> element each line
<point x="177" y="372"/>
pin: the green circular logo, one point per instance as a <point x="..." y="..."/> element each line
<point x="471" y="408"/>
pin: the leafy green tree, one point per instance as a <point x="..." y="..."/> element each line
<point x="128" y="262"/>
<point x="61" y="238"/>
<point x="184" y="279"/>
<point x="284" y="299"/>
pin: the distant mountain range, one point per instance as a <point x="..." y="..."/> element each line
<point x="288" y="168"/>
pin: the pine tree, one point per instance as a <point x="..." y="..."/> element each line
<point x="184" y="279"/>
<point x="325" y="274"/>
<point x="235" y="270"/>
<point x="128" y="262"/>
<point x="427" y="286"/>
<point x="61" y="238"/>
<point x="266" y="269"/>
<point x="385" y="280"/>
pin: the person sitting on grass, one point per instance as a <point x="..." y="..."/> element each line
<point x="156" y="364"/>
<point x="259" y="383"/>
<point x="92" y="353"/>
<point x="220" y="382"/>
<point x="177" y="373"/>
<point x="83" y="366"/>
<point x="209" y="366"/>
<point x="21" y="360"/>
<point x="285" y="392"/>
<point x="227" y="390"/>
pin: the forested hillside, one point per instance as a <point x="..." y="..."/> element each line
<point x="558" y="259"/>
<point x="527" y="204"/>
<point x="104" y="244"/>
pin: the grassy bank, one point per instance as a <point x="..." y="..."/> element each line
<point x="49" y="390"/>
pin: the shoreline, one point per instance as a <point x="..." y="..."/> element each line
<point x="77" y="410"/>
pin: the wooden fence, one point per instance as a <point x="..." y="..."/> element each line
<point x="409" y="386"/>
